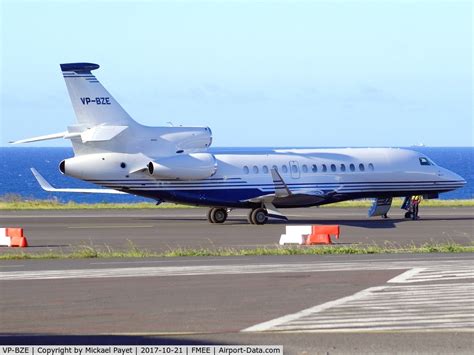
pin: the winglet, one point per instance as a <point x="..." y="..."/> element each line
<point x="281" y="189"/>
<point x="45" y="185"/>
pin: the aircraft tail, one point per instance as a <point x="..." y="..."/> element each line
<point x="92" y="103"/>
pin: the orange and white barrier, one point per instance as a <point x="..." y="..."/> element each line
<point x="309" y="235"/>
<point x="322" y="234"/>
<point x="295" y="235"/>
<point x="13" y="237"/>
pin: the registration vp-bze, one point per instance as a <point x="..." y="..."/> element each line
<point x="15" y="350"/>
<point x="97" y="100"/>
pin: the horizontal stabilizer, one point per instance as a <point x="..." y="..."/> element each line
<point x="40" y="138"/>
<point x="45" y="185"/>
<point x="94" y="134"/>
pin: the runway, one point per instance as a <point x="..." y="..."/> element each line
<point x="164" y="229"/>
<point x="308" y="304"/>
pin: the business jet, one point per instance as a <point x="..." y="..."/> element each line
<point x="176" y="164"/>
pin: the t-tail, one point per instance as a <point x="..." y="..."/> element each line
<point x="92" y="103"/>
<point x="104" y="126"/>
<point x="100" y="118"/>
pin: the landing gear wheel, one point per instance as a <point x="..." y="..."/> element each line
<point x="408" y="215"/>
<point x="219" y="215"/>
<point x="258" y="216"/>
<point x="249" y="217"/>
<point x="210" y="215"/>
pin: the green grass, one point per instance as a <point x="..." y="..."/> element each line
<point x="89" y="251"/>
<point x="14" y="202"/>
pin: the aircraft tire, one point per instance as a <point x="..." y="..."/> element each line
<point x="259" y="216"/>
<point x="219" y="215"/>
<point x="249" y="217"/>
<point x="210" y="215"/>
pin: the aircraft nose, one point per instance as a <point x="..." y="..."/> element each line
<point x="452" y="176"/>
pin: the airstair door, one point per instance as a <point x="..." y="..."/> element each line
<point x="294" y="169"/>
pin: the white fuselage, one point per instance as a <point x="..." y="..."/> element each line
<point x="315" y="176"/>
<point x="177" y="164"/>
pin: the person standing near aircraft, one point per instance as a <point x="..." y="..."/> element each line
<point x="415" y="204"/>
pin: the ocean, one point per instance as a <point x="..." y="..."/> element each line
<point x="16" y="178"/>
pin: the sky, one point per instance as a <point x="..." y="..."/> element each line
<point x="258" y="73"/>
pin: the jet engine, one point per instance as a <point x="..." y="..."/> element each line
<point x="103" y="166"/>
<point x="194" y="166"/>
<point x="187" y="139"/>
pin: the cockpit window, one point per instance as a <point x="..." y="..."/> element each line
<point x="425" y="161"/>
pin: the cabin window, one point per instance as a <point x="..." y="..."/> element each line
<point x="325" y="168"/>
<point x="343" y="167"/>
<point x="333" y="167"/>
<point x="275" y="167"/>
<point x="265" y="169"/>
<point x="352" y="167"/>
<point x="314" y="168"/>
<point x="284" y="169"/>
<point x="123" y="165"/>
<point x="294" y="168"/>
<point x="371" y="167"/>
<point x="361" y="167"/>
<point x="246" y="169"/>
<point x="305" y="168"/>
<point x="424" y="161"/>
<point x="255" y="169"/>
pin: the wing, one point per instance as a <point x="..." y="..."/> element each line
<point x="45" y="185"/>
<point x="282" y="191"/>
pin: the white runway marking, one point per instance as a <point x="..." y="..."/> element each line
<point x="430" y="269"/>
<point x="436" y="273"/>
<point x="159" y="262"/>
<point x="385" y="308"/>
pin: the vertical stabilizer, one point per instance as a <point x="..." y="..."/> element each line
<point x="92" y="103"/>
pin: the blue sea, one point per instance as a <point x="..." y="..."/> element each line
<point x="16" y="177"/>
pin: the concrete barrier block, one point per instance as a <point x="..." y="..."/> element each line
<point x="292" y="239"/>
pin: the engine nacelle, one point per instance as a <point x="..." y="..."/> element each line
<point x="189" y="138"/>
<point x="102" y="166"/>
<point x="194" y="166"/>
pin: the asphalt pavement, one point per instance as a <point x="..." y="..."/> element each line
<point x="308" y="304"/>
<point x="334" y="304"/>
<point x="164" y="229"/>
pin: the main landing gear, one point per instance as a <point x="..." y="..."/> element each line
<point x="217" y="215"/>
<point x="257" y="216"/>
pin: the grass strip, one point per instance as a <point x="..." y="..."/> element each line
<point x="19" y="204"/>
<point x="90" y="252"/>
